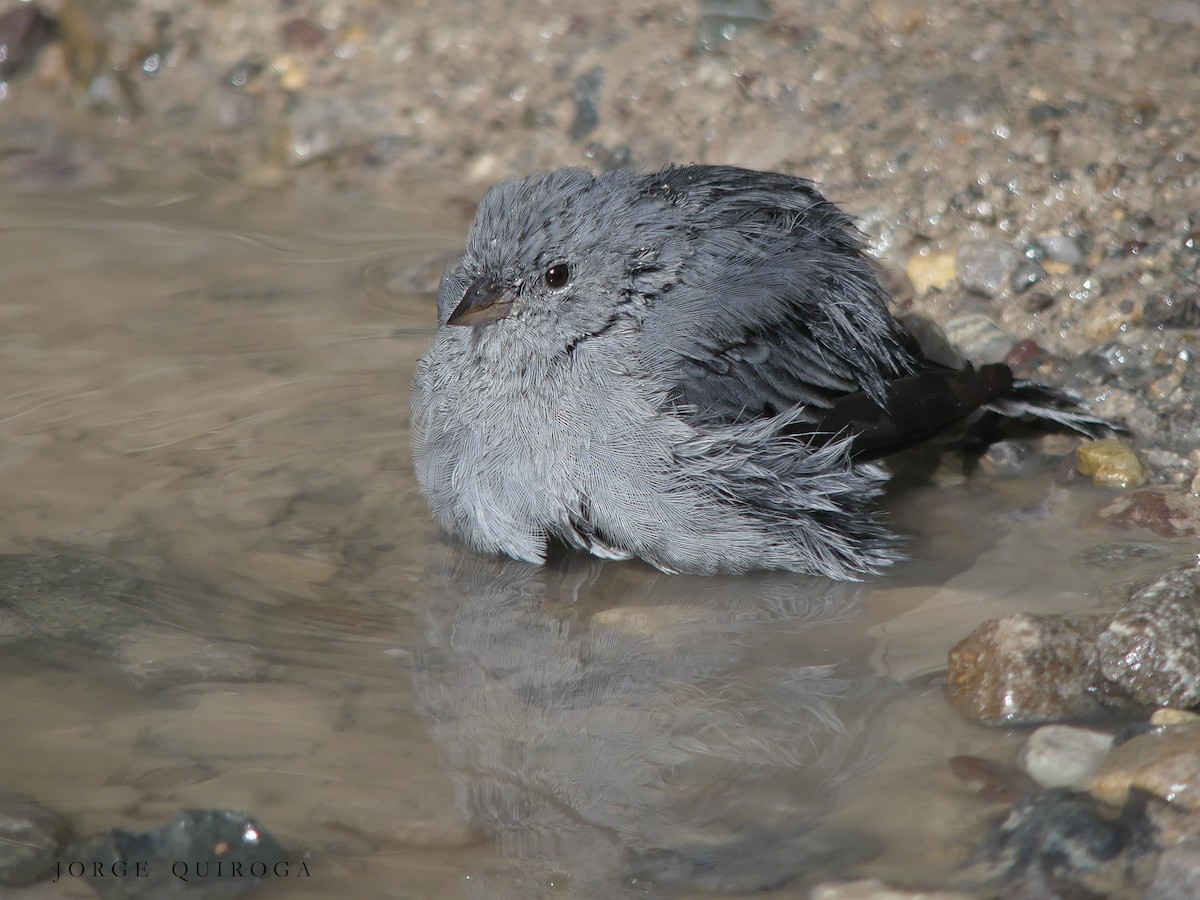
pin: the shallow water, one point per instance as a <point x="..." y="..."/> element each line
<point x="204" y="395"/>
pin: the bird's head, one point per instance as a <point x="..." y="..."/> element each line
<point x="559" y="257"/>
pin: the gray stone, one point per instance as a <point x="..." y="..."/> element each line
<point x="1061" y="248"/>
<point x="985" y="267"/>
<point x="979" y="339"/>
<point x="1151" y="648"/>
<point x="1062" y="756"/>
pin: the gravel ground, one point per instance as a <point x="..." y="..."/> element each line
<point x="1027" y="171"/>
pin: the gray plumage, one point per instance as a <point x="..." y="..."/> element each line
<point x="692" y="366"/>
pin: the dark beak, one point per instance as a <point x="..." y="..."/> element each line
<point x="483" y="303"/>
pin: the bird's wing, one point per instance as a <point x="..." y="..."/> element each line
<point x="772" y="305"/>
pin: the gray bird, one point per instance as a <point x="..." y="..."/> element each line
<point x="693" y="366"/>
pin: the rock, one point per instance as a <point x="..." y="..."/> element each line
<point x="1164" y="763"/>
<point x="720" y="20"/>
<point x="1178" y="873"/>
<point x="57" y="596"/>
<point x="979" y="339"/>
<point x="1027" y="273"/>
<point x="30" y="839"/>
<point x="301" y="34"/>
<point x="1110" y="463"/>
<point x="1014" y="459"/>
<point x="1062" y="756"/>
<point x="155" y="657"/>
<point x="586" y="97"/>
<point x="991" y="780"/>
<point x="1024" y="668"/>
<point x="1151" y="648"/>
<point x="931" y="271"/>
<point x="1172" y="311"/>
<point x="199" y="839"/>
<point x="1060" y="248"/>
<point x="1173" y="717"/>
<point x="985" y="267"/>
<point x="874" y="889"/>
<point x="1166" y="514"/>
<point x="23" y="32"/>
<point x="1066" y="838"/>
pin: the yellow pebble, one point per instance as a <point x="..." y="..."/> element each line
<point x="931" y="271"/>
<point x="1168" y="716"/>
<point x="1110" y="464"/>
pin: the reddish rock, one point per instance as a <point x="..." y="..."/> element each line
<point x="1024" y="668"/>
<point x="1167" y="514"/>
<point x="301" y="34"/>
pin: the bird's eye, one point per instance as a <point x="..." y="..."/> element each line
<point x="558" y="275"/>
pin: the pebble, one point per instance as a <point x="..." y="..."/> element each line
<point x="192" y="837"/>
<point x="1013" y="459"/>
<point x="23" y="32"/>
<point x="979" y="339"/>
<point x="1151" y="648"/>
<point x="1027" y="273"/>
<point x="1110" y="463"/>
<point x="1061" y="248"/>
<point x="1172" y="311"/>
<point x="1173" y="717"/>
<point x="874" y="889"/>
<point x="1167" y="514"/>
<point x="300" y="33"/>
<point x="989" y="779"/>
<point x="933" y="271"/>
<point x="985" y="267"/>
<point x="1024" y="668"/>
<point x="30" y="839"/>
<point x="1164" y="763"/>
<point x="1064" y="756"/>
<point x="586" y="96"/>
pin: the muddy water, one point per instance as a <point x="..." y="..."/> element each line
<point x="207" y="391"/>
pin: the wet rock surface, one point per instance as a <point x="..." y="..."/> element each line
<point x="1064" y="757"/>
<point x="1062" y="843"/>
<point x="31" y="837"/>
<point x="1151" y="648"/>
<point x="1024" y="668"/>
<point x="201" y="854"/>
<point x="1164" y="763"/>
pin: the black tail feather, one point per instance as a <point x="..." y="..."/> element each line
<point x="1061" y="406"/>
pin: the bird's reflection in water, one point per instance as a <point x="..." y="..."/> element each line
<point x="628" y="731"/>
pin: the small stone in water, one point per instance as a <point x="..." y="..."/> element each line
<point x="1062" y="756"/>
<point x="1110" y="463"/>
<point x="985" y="267"/>
<point x="1164" y="763"/>
<point x="1023" y="668"/>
